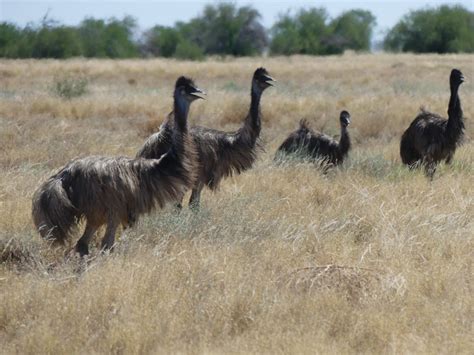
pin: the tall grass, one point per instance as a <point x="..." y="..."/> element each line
<point x="368" y="257"/>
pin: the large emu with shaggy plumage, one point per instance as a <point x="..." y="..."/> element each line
<point x="306" y="143"/>
<point x="220" y="154"/>
<point x="116" y="190"/>
<point x="431" y="138"/>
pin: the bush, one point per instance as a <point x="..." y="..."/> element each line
<point x="188" y="50"/>
<point x="222" y="29"/>
<point x="161" y="41"/>
<point x="444" y="29"/>
<point x="10" y="35"/>
<point x="56" y="42"/>
<point x="311" y="32"/>
<point x="112" y="38"/>
<point x="48" y="40"/>
<point x="70" y="87"/>
<point x="300" y="34"/>
<point x="352" y="30"/>
<point x="93" y="38"/>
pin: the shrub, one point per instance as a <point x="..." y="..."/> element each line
<point x="70" y="87"/>
<point x="310" y="32"/>
<point x="441" y="30"/>
<point x="188" y="50"/>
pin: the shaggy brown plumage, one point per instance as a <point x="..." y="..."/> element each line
<point x="117" y="190"/>
<point x="431" y="138"/>
<point x="220" y="154"/>
<point x="306" y="143"/>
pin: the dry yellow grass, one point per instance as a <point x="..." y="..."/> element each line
<point x="370" y="258"/>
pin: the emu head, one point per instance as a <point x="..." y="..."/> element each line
<point x="261" y="80"/>
<point x="456" y="78"/>
<point x="345" y="119"/>
<point x="187" y="90"/>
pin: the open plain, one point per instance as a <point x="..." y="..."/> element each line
<point x="369" y="257"/>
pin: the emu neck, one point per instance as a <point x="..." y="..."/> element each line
<point x="345" y="141"/>
<point x="252" y="124"/>
<point x="455" y="124"/>
<point x="181" y="110"/>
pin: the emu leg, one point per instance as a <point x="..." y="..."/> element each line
<point x="109" y="236"/>
<point x="430" y="168"/>
<point x="415" y="165"/>
<point x="82" y="244"/>
<point x="449" y="159"/>
<point x="196" y="197"/>
<point x="179" y="205"/>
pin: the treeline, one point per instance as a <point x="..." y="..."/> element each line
<point x="226" y="29"/>
<point x="92" y="38"/>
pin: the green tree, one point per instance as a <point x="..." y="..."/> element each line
<point x="351" y="30"/>
<point x="188" y="50"/>
<point x="92" y="36"/>
<point x="225" y="29"/>
<point x="51" y="41"/>
<point x="10" y="37"/>
<point x="119" y="41"/>
<point x="162" y="41"/>
<point x="302" y="33"/>
<point x="48" y="40"/>
<point x="112" y="38"/>
<point x="434" y="30"/>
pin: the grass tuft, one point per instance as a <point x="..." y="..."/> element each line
<point x="70" y="87"/>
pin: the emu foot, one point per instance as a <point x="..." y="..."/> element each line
<point x="178" y="207"/>
<point x="82" y="249"/>
<point x="194" y="206"/>
<point x="107" y="249"/>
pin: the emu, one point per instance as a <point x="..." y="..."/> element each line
<point x="431" y="138"/>
<point x="117" y="190"/>
<point x="314" y="145"/>
<point x="220" y="154"/>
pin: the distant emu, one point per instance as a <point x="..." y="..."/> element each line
<point x="220" y="154"/>
<point x="117" y="190"/>
<point x="306" y="143"/>
<point x="431" y="138"/>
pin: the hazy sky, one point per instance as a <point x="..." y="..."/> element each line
<point x="152" y="12"/>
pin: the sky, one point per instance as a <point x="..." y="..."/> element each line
<point x="158" y="12"/>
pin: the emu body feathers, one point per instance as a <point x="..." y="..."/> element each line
<point x="307" y="143"/>
<point x="220" y="154"/>
<point x="106" y="188"/>
<point x="117" y="190"/>
<point x="431" y="138"/>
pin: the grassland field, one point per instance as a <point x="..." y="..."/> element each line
<point x="369" y="258"/>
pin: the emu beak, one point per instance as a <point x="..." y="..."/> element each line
<point x="198" y="93"/>
<point x="269" y="80"/>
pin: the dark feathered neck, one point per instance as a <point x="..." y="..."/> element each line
<point x="252" y="125"/>
<point x="455" y="126"/>
<point x="254" y="112"/>
<point x="180" y="111"/>
<point x="345" y="141"/>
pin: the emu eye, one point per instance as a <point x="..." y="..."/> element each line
<point x="183" y="92"/>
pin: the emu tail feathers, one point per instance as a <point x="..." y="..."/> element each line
<point x="53" y="213"/>
<point x="407" y="151"/>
